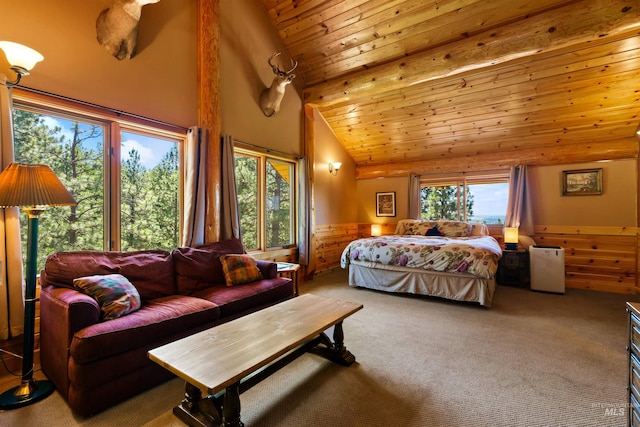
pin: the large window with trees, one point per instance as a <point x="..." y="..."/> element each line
<point x="124" y="176"/>
<point x="266" y="199"/>
<point x="480" y="197"/>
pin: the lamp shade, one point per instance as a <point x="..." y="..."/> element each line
<point x="20" y="56"/>
<point x="32" y="185"/>
<point x="376" y="230"/>
<point x="511" y="235"/>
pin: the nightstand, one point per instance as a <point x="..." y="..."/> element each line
<point x="290" y="270"/>
<point x="513" y="269"/>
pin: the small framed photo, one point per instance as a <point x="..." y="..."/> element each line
<point x="582" y="182"/>
<point x="386" y="204"/>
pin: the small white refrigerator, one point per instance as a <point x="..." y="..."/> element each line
<point x="546" y="266"/>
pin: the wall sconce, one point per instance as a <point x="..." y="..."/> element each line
<point x="511" y="238"/>
<point x="334" y="167"/>
<point x="21" y="59"/>
<point x="376" y="230"/>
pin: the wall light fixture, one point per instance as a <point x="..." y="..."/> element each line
<point x="21" y="59"/>
<point x="334" y="167"/>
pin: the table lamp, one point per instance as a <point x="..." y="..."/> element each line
<point x="511" y="238"/>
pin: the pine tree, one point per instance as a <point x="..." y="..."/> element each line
<point x="78" y="165"/>
<point x="442" y="203"/>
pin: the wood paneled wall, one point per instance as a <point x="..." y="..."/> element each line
<point x="596" y="258"/>
<point x="330" y="242"/>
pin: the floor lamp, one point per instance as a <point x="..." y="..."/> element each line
<point x="32" y="187"/>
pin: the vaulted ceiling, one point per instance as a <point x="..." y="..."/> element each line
<point x="432" y="85"/>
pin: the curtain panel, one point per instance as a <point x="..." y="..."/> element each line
<point x="230" y="227"/>
<point x="414" y="196"/>
<point x="194" y="178"/>
<point x="11" y="279"/>
<point x="519" y="206"/>
<point x="304" y="209"/>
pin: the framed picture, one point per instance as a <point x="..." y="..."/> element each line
<point x="582" y="182"/>
<point x="386" y="204"/>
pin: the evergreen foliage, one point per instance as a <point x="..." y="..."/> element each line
<point x="149" y="197"/>
<point x="442" y="203"/>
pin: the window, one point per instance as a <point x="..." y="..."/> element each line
<point x="266" y="199"/>
<point x="124" y="176"/>
<point x="480" y="198"/>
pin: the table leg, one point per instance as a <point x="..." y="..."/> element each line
<point x="231" y="406"/>
<point x="210" y="411"/>
<point x="335" y="350"/>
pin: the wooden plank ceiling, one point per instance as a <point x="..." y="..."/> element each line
<point x="429" y="86"/>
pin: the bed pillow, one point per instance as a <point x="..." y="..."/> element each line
<point x="114" y="293"/>
<point x="455" y="228"/>
<point x="419" y="228"/>
<point x="239" y="269"/>
<point x="479" y="229"/>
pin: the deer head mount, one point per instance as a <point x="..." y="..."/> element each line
<point x="271" y="97"/>
<point x="117" y="27"/>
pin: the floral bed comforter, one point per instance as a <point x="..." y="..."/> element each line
<point x="477" y="255"/>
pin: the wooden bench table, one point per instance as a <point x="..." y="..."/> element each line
<point x="226" y="360"/>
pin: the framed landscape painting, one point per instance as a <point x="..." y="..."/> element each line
<point x="386" y="204"/>
<point x="582" y="182"/>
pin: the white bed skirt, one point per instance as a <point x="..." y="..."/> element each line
<point x="453" y="286"/>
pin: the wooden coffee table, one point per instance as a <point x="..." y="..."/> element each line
<point x="226" y="360"/>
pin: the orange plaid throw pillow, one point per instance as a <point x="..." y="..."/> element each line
<point x="239" y="269"/>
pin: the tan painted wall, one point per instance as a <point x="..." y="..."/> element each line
<point x="247" y="41"/>
<point x="367" y="189"/>
<point x="615" y="207"/>
<point x="159" y="82"/>
<point x="335" y="195"/>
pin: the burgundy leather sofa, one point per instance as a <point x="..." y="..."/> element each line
<point x="95" y="364"/>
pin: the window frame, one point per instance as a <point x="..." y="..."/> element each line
<point x="263" y="155"/>
<point x="461" y="180"/>
<point x="114" y="123"/>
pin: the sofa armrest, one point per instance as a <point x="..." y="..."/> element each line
<point x="268" y="269"/>
<point x="63" y="312"/>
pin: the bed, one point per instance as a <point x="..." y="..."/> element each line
<point x="447" y="259"/>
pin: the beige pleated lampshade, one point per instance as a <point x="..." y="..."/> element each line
<point x="32" y="185"/>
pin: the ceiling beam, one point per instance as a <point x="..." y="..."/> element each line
<point x="539" y="156"/>
<point x="580" y="23"/>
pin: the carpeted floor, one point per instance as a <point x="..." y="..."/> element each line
<point x="533" y="359"/>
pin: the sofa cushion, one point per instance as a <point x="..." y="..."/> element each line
<point x="150" y="271"/>
<point x="156" y="319"/>
<point x="113" y="292"/>
<point x="200" y="267"/>
<point x="240" y="269"/>
<point x="235" y="300"/>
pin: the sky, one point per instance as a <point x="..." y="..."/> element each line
<point x="490" y="199"/>
<point x="151" y="149"/>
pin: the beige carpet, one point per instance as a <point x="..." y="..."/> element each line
<point x="533" y="359"/>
